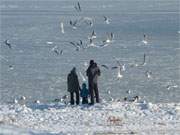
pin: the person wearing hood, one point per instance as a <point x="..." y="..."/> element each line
<point x="73" y="86"/>
<point x="84" y="94"/>
<point x="93" y="72"/>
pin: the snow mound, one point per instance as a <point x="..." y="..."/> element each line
<point x="103" y="118"/>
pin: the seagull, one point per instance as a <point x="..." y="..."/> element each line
<point x="109" y="38"/>
<point x="62" y="27"/>
<point x="93" y="35"/>
<point x="171" y="86"/>
<point x="123" y="67"/>
<point x="119" y="67"/>
<point x="78" y="7"/>
<point x="11" y="67"/>
<point x="64" y="99"/>
<point x="37" y="101"/>
<point x="105" y="66"/>
<point x="144" y="60"/>
<point x="119" y="75"/>
<point x="109" y="92"/>
<point x="73" y="24"/>
<point x="75" y="45"/>
<point x="135" y="64"/>
<point x="91" y="44"/>
<point x="89" y="22"/>
<point x="145" y="40"/>
<point x="128" y="91"/>
<point x="3" y="58"/>
<point x="49" y="43"/>
<point x="8" y="43"/>
<point x="22" y="100"/>
<point x="106" y="20"/>
<point x="61" y="52"/>
<point x="80" y="44"/>
<point x="55" y="49"/>
<point x="15" y="101"/>
<point x="148" y="74"/>
<point x="132" y="99"/>
<point x="86" y="20"/>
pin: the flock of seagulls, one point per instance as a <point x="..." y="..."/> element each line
<point x="81" y="45"/>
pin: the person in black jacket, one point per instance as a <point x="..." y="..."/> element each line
<point x="73" y="86"/>
<point x="93" y="72"/>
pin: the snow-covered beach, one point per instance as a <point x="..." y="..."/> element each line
<point x="104" y="118"/>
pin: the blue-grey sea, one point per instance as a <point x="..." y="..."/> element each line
<point x="30" y="68"/>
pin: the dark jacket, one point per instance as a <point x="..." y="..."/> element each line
<point x="84" y="91"/>
<point x="93" y="72"/>
<point x="89" y="73"/>
<point x="72" y="82"/>
<point x="96" y="72"/>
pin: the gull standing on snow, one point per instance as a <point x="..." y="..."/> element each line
<point x="22" y="100"/>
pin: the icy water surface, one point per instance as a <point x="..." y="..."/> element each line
<point x="38" y="73"/>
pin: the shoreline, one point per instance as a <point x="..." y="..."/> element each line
<point x="102" y="118"/>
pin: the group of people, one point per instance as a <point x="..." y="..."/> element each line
<point x="92" y="73"/>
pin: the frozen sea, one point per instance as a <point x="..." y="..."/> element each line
<point x="31" y="69"/>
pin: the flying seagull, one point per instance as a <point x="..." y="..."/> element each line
<point x="77" y="46"/>
<point x="109" y="38"/>
<point x="8" y="43"/>
<point x="145" y="40"/>
<point x="73" y="24"/>
<point x="144" y="60"/>
<point x="93" y="35"/>
<point x="119" y="75"/>
<point x="55" y="50"/>
<point x="105" y="66"/>
<point x="106" y="20"/>
<point x="148" y="74"/>
<point x="62" y="27"/>
<point x="78" y="7"/>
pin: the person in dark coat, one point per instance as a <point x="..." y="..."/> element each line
<point x="93" y="72"/>
<point x="73" y="86"/>
<point x="84" y="94"/>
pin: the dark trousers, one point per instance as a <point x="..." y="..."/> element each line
<point x="72" y="98"/>
<point x="93" y="89"/>
<point x="85" y="100"/>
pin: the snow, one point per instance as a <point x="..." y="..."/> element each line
<point x="103" y="118"/>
